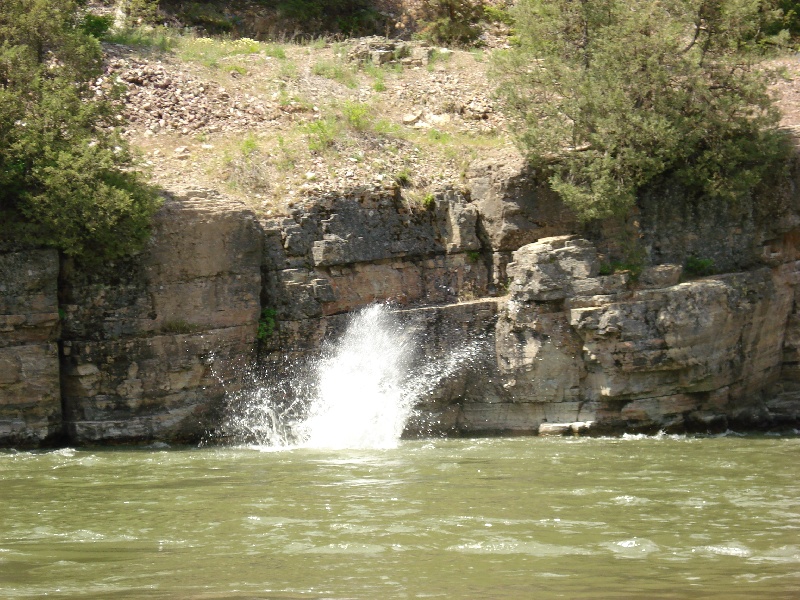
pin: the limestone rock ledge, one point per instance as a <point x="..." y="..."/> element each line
<point x="151" y="345"/>
<point x="30" y="398"/>
<point x="573" y="345"/>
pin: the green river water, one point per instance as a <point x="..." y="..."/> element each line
<point x="667" y="517"/>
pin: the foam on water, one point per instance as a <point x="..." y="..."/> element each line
<point x="360" y="393"/>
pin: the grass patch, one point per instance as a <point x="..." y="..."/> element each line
<point x="209" y="51"/>
<point x="274" y="51"/>
<point x="337" y="71"/>
<point x="386" y="128"/>
<point x="321" y="134"/>
<point x="438" y="57"/>
<point x="286" y="159"/>
<point x="288" y="70"/>
<point x="246" y="167"/>
<point x="439" y="137"/>
<point x="177" y="326"/>
<point x="403" y="178"/>
<point x="154" y="38"/>
<point x="379" y="73"/>
<point x="357" y="115"/>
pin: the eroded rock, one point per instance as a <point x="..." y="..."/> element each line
<point x="30" y="399"/>
<point x="152" y="344"/>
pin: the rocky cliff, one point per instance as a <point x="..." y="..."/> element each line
<point x="30" y="397"/>
<point x="150" y="346"/>
<point x="146" y="349"/>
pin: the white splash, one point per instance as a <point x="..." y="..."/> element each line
<point x="362" y="400"/>
<point x="360" y="393"/>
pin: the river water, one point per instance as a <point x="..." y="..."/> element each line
<point x="664" y="517"/>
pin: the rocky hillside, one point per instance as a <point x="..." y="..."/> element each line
<point x="273" y="124"/>
<point x="276" y="123"/>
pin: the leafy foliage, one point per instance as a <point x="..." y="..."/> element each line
<point x="95" y="25"/>
<point x="65" y="176"/>
<point x="699" y="267"/>
<point x="448" y="21"/>
<point x="139" y="12"/>
<point x="266" y="324"/>
<point x="350" y="17"/>
<point x="609" y="95"/>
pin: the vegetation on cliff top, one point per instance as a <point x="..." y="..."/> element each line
<point x="609" y="96"/>
<point x="66" y="179"/>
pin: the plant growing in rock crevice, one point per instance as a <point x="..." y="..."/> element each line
<point x="699" y="267"/>
<point x="266" y="324"/>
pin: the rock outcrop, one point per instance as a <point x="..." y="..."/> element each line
<point x="534" y="331"/>
<point x="346" y="252"/>
<point x="30" y="398"/>
<point x="151" y="345"/>
<point x="644" y="355"/>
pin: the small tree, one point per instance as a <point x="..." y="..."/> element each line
<point x="66" y="178"/>
<point x="608" y="95"/>
<point x="445" y="21"/>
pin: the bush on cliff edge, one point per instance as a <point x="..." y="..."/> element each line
<point x="608" y="96"/>
<point x="66" y="178"/>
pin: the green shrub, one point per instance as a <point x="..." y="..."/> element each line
<point x="208" y="16"/>
<point x="450" y="21"/>
<point x="429" y="202"/>
<point x="96" y="25"/>
<point x="606" y="268"/>
<point x="607" y="97"/>
<point x="139" y="12"/>
<point x="787" y="20"/>
<point x="699" y="267"/>
<point x="498" y="15"/>
<point x="66" y="178"/>
<point x="357" y="115"/>
<point x="266" y="324"/>
<point x="321" y="134"/>
<point x="350" y="17"/>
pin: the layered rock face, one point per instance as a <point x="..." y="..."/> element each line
<point x="151" y="345"/>
<point x="532" y="328"/>
<point x="645" y="355"/>
<point x="30" y="398"/>
<point x="349" y="251"/>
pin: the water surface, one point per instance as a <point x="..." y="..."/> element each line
<point x="503" y="518"/>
